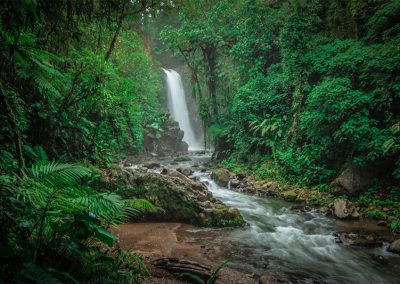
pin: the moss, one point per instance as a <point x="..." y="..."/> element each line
<point x="289" y="195"/>
<point x="224" y="217"/>
<point x="179" y="201"/>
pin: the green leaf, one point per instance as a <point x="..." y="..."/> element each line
<point x="105" y="236"/>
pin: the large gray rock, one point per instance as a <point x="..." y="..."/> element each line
<point x="167" y="142"/>
<point x="344" y="209"/>
<point x="180" y="198"/>
<point x="352" y="180"/>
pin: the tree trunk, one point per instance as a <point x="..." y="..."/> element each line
<point x="210" y="56"/>
<point x="117" y="31"/>
<point x="15" y="132"/>
<point x="297" y="106"/>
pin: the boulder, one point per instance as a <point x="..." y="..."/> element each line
<point x="221" y="176"/>
<point x="352" y="180"/>
<point x="166" y="142"/>
<point x="179" y="198"/>
<point x="152" y="165"/>
<point x="359" y="239"/>
<point x="344" y="209"/>
<point x="187" y="172"/>
<point x="182" y="159"/>
<point x="173" y="173"/>
<point x="394" y="246"/>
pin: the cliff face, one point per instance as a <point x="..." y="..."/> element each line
<point x="168" y="142"/>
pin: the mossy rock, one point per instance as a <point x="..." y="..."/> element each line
<point x="182" y="159"/>
<point x="289" y="195"/>
<point x="180" y="199"/>
<point x="224" y="217"/>
<point x="221" y="176"/>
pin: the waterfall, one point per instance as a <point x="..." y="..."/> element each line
<point x="179" y="109"/>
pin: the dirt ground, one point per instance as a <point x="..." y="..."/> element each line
<point x="156" y="240"/>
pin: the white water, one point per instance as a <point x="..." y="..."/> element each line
<point x="294" y="244"/>
<point x="179" y="110"/>
<point x="295" y="247"/>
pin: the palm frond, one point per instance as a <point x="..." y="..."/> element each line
<point x="37" y="274"/>
<point x="57" y="174"/>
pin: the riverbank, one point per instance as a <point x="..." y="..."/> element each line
<point x="377" y="209"/>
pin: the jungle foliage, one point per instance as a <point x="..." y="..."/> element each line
<point x="76" y="84"/>
<point x="307" y="85"/>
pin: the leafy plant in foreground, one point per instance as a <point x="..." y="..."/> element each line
<point x="53" y="222"/>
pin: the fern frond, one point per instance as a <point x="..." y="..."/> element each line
<point x="57" y="174"/>
<point x="37" y="274"/>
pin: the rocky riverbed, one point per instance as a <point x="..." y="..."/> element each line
<point x="282" y="240"/>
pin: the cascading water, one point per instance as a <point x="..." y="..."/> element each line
<point x="178" y="108"/>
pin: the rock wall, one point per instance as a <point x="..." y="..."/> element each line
<point x="168" y="142"/>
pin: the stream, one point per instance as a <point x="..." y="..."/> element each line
<point x="290" y="245"/>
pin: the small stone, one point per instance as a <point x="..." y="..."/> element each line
<point x="394" y="246"/>
<point x="324" y="209"/>
<point x="297" y="207"/>
<point x="382" y="223"/>
<point x="235" y="183"/>
<point x="271" y="184"/>
<point x="344" y="209"/>
<point x="186" y="172"/>
<point x="151" y="165"/>
<point x="362" y="240"/>
<point x="241" y="175"/>
<point x="266" y="279"/>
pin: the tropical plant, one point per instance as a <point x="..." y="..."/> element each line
<point x="61" y="215"/>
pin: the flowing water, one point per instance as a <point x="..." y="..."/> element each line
<point x="294" y="246"/>
<point x="179" y="110"/>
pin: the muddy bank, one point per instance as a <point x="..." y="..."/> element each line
<point x="157" y="240"/>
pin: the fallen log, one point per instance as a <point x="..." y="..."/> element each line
<point x="175" y="265"/>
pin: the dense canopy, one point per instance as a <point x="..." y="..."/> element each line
<point x="295" y="91"/>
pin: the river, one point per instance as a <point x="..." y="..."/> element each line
<point x="291" y="245"/>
